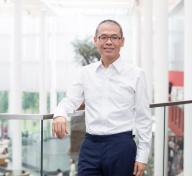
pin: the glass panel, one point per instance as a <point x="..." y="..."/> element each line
<point x="30" y="147"/>
<point x="175" y="139"/>
<point x="150" y="166"/>
<point x="61" y="155"/>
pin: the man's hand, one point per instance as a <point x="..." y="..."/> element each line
<point x="139" y="169"/>
<point x="59" y="127"/>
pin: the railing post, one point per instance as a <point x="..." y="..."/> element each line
<point x="41" y="167"/>
<point x="165" y="143"/>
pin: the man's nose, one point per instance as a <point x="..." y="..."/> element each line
<point x="109" y="40"/>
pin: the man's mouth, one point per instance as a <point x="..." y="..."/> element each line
<point x="109" y="49"/>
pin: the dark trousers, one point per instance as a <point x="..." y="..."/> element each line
<point x="107" y="155"/>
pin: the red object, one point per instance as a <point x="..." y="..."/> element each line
<point x="176" y="113"/>
<point x="176" y="77"/>
<point x="176" y="120"/>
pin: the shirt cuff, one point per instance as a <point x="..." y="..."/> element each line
<point x="142" y="155"/>
<point x="61" y="114"/>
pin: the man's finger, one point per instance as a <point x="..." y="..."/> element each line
<point x="139" y="173"/>
<point x="135" y="169"/>
<point x="63" y="129"/>
<point x="54" y="130"/>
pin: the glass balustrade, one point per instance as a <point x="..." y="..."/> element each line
<point x="20" y="145"/>
<point x="174" y="114"/>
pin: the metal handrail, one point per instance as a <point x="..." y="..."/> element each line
<point x="155" y="105"/>
<point x="7" y="116"/>
<point x="77" y="113"/>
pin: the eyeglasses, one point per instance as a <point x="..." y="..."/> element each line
<point x="105" y="38"/>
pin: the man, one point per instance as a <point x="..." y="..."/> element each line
<point x="116" y="102"/>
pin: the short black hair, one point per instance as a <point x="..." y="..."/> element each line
<point x="109" y="21"/>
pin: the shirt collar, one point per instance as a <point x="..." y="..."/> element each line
<point x="118" y="65"/>
<point x="98" y="65"/>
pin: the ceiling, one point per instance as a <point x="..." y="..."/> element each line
<point x="60" y="7"/>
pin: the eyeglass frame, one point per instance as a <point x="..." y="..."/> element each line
<point x="109" y="37"/>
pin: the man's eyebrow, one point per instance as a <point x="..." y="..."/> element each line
<point x="108" y="34"/>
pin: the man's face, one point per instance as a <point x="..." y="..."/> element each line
<point x="109" y="41"/>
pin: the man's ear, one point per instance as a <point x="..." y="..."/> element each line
<point x="123" y="40"/>
<point x="95" y="40"/>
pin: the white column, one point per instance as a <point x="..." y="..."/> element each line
<point x="136" y="43"/>
<point x="15" y="87"/>
<point x="160" y="81"/>
<point x="146" y="44"/>
<point x="188" y="88"/>
<point x="42" y="65"/>
<point x="53" y="92"/>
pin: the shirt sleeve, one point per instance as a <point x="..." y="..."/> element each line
<point x="73" y="99"/>
<point x="143" y="121"/>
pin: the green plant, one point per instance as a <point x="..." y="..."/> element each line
<point x="86" y="51"/>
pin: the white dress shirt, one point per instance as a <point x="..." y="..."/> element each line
<point x="115" y="101"/>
